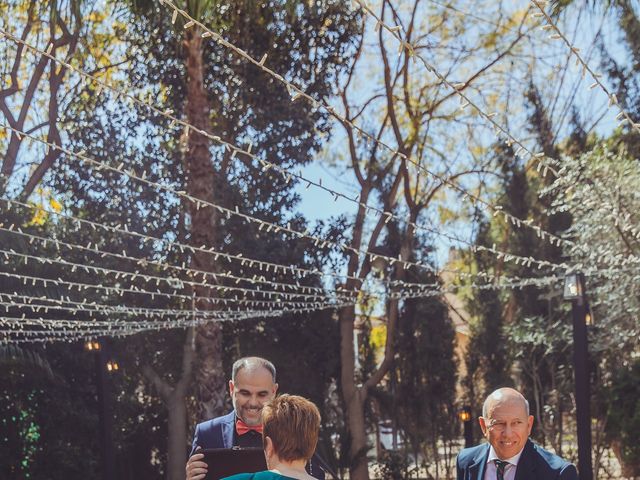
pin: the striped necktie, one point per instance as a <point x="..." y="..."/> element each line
<point x="500" y="466"/>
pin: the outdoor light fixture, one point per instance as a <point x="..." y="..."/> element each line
<point x="465" y="414"/>
<point x="589" y="319"/>
<point x="112" y="366"/>
<point x="573" y="286"/>
<point x="465" y="417"/>
<point x="92" y="346"/>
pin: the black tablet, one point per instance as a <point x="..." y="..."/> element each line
<point x="224" y="462"/>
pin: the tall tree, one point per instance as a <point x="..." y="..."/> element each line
<point x="235" y="102"/>
<point x="417" y="114"/>
<point x="423" y="402"/>
<point x="240" y="106"/>
<point x="487" y="355"/>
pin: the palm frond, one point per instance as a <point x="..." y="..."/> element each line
<point x="18" y="356"/>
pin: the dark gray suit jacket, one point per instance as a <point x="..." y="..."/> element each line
<point x="535" y="463"/>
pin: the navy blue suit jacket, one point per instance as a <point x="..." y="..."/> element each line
<point x="215" y="433"/>
<point x="218" y="433"/>
<point x="535" y="463"/>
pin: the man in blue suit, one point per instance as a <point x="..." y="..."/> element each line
<point x="252" y="385"/>
<point x="509" y="454"/>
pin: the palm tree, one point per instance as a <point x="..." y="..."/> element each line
<point x="200" y="181"/>
<point x="13" y="355"/>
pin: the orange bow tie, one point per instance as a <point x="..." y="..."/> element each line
<point x="243" y="428"/>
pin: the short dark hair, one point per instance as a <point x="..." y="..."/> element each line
<point x="293" y="424"/>
<point x="250" y="363"/>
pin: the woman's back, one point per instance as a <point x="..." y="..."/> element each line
<point x="264" y="475"/>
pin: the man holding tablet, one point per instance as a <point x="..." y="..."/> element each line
<point x="252" y="385"/>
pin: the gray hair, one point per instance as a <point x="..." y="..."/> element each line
<point x="251" y="363"/>
<point x="501" y="393"/>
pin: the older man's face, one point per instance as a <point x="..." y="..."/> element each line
<point x="507" y="427"/>
<point x="252" y="389"/>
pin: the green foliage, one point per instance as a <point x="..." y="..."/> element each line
<point x="523" y="327"/>
<point x="423" y="402"/>
<point x="12" y="355"/>
<point x="623" y="416"/>
<point x="419" y="397"/>
<point x="308" y="44"/>
<point x="392" y="465"/>
<point x="36" y="414"/>
<point x="600" y="189"/>
<point x="487" y="358"/>
<point x="20" y="436"/>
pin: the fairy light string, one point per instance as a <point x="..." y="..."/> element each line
<point x="46" y="304"/>
<point x="175" y="283"/>
<point x="378" y="211"/>
<point x="622" y="116"/>
<point x="59" y="244"/>
<point x="188" y="319"/>
<point x="181" y="247"/>
<point x="121" y="291"/>
<point x="264" y="224"/>
<point x="288" y="175"/>
<point x="297" y="92"/>
<point x="235" y="302"/>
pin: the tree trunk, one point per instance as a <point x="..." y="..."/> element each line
<point x="177" y="432"/>
<point x="174" y="399"/>
<point x="354" y="395"/>
<point x="628" y="470"/>
<point x="358" y="465"/>
<point x="210" y="379"/>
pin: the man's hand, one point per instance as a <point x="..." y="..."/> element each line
<point x="196" y="469"/>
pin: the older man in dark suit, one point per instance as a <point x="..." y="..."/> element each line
<point x="509" y="454"/>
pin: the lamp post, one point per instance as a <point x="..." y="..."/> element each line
<point x="465" y="418"/>
<point x="574" y="291"/>
<point x="102" y="367"/>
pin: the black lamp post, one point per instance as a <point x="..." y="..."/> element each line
<point x="574" y="290"/>
<point x="102" y="367"/>
<point x="465" y="418"/>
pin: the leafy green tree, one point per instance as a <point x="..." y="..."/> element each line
<point x="623" y="416"/>
<point x="425" y="390"/>
<point x="240" y="101"/>
<point x="36" y="440"/>
<point x="487" y="355"/>
<point x="419" y="397"/>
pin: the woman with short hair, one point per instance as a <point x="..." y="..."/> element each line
<point x="290" y="433"/>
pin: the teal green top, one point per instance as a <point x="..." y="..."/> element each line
<point x="264" y="475"/>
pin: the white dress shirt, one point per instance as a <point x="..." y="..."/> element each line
<point x="491" y="472"/>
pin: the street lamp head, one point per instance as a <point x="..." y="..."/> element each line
<point x="92" y="345"/>
<point x="574" y="286"/>
<point x="589" y="320"/>
<point x="112" y="366"/>
<point x="465" y="414"/>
